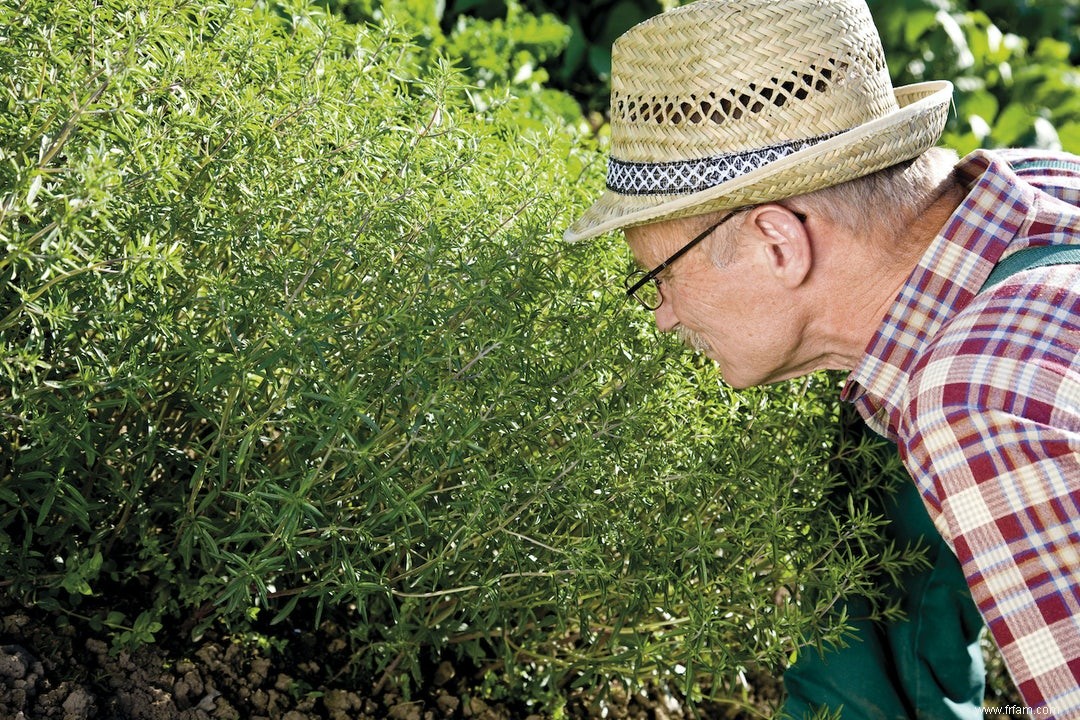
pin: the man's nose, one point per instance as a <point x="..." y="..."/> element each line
<point x="665" y="317"/>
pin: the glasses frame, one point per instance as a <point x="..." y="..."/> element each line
<point x="637" y="279"/>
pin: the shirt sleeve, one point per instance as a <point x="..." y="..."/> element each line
<point x="991" y="435"/>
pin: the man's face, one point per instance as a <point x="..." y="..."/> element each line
<point x="735" y="312"/>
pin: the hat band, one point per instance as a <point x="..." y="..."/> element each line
<point x="690" y="176"/>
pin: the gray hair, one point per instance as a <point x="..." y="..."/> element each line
<point x="876" y="206"/>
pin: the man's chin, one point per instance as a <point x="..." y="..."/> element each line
<point x="695" y="342"/>
<point x="736" y="380"/>
<point x="736" y="384"/>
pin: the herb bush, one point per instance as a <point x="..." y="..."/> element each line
<point x="287" y="331"/>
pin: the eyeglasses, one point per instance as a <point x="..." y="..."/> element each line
<point x="645" y="288"/>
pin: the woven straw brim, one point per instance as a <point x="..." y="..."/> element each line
<point x="901" y="135"/>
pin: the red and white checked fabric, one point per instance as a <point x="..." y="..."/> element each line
<point x="981" y="392"/>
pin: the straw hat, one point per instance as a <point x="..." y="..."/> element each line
<point x="725" y="103"/>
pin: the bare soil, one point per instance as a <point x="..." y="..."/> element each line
<point x="64" y="671"/>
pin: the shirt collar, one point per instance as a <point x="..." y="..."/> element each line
<point x="949" y="274"/>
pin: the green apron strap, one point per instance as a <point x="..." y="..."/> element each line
<point x="1032" y="257"/>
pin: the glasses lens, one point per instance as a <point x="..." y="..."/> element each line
<point x="649" y="292"/>
<point x="649" y="295"/>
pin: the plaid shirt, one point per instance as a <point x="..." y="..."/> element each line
<point x="981" y="392"/>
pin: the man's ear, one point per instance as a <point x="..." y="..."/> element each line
<point x="784" y="238"/>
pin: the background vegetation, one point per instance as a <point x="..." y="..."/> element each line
<point x="287" y="331"/>
<point x="1013" y="61"/>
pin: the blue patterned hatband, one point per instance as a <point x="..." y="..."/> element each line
<point x="689" y="176"/>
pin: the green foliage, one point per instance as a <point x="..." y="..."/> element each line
<point x="1011" y="90"/>
<point x="1056" y="19"/>
<point x="287" y="329"/>
<point x="584" y="69"/>
<point x="563" y="45"/>
<point x="499" y="55"/>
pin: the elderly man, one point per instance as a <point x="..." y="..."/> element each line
<point x="790" y="213"/>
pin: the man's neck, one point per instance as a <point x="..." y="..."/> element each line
<point x="929" y="224"/>
<point x="868" y="280"/>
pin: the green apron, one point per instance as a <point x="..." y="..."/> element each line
<point x="929" y="665"/>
